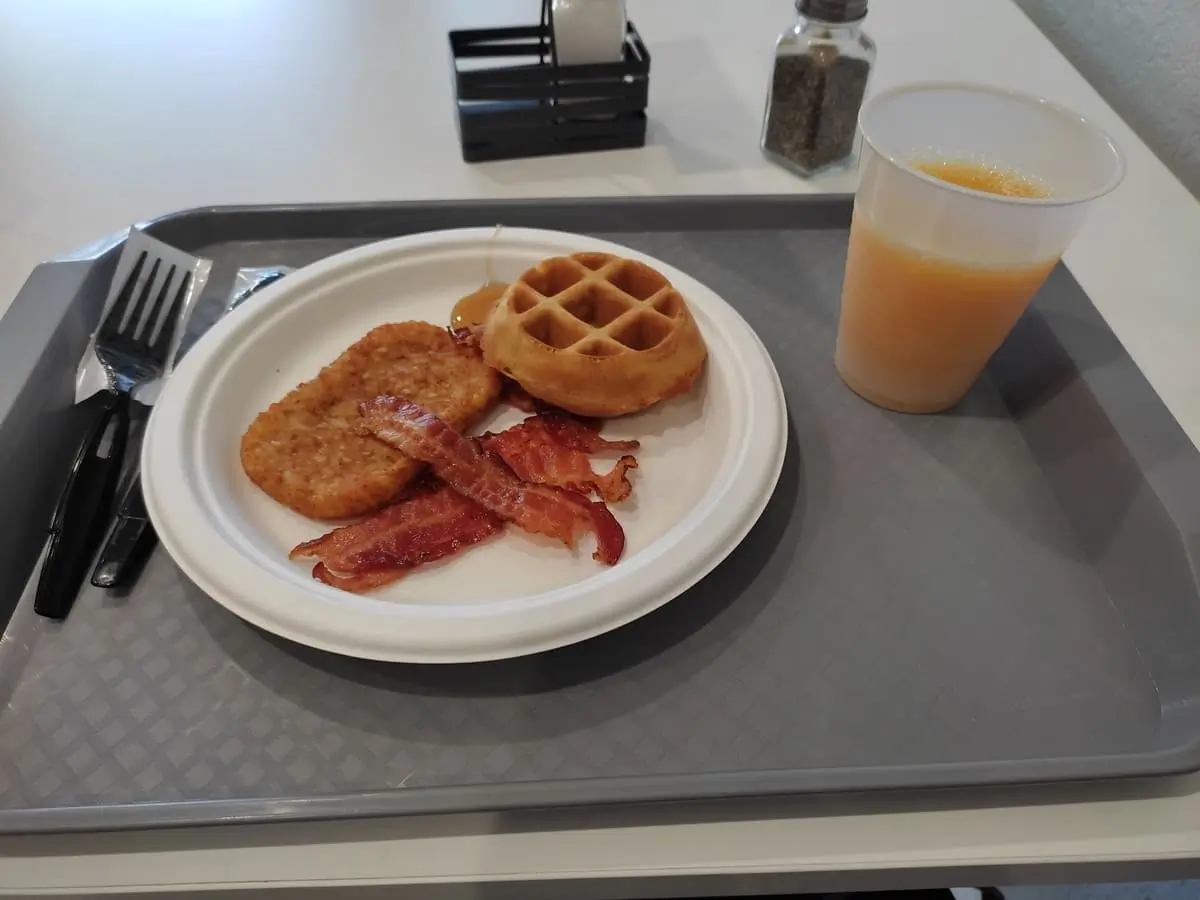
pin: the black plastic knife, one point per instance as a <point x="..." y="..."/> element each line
<point x="130" y="541"/>
<point x="84" y="505"/>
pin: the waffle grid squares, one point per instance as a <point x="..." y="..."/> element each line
<point x="595" y="305"/>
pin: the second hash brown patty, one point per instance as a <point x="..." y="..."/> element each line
<point x="309" y="451"/>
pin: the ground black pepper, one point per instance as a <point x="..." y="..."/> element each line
<point x="813" y="111"/>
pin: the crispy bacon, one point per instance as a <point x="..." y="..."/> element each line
<point x="582" y="434"/>
<point x="467" y="337"/>
<point x="553" y="448"/>
<point x="517" y="397"/>
<point x="538" y="508"/>
<point x="357" y="584"/>
<point x="514" y="395"/>
<point x="431" y="522"/>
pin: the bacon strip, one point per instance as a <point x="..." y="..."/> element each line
<point x="357" y="584"/>
<point x="430" y="523"/>
<point x="516" y="396"/>
<point x="467" y="337"/>
<point x="553" y="448"/>
<point x="538" y="508"/>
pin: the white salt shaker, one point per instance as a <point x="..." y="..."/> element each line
<point x="588" y="31"/>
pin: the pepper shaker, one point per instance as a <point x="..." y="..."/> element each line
<point x="819" y="80"/>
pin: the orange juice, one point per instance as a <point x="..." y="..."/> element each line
<point x="982" y="177"/>
<point x="916" y="330"/>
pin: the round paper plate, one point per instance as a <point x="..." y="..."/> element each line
<point x="707" y="466"/>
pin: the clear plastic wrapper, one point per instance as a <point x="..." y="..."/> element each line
<point x="251" y="279"/>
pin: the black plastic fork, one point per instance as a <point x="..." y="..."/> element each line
<point x="133" y="343"/>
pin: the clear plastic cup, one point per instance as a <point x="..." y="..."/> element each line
<point x="938" y="272"/>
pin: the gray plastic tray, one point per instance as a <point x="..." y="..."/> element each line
<point x="1003" y="594"/>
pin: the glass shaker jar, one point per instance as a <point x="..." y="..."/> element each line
<point x="822" y="66"/>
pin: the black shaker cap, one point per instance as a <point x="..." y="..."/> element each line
<point x="837" y="11"/>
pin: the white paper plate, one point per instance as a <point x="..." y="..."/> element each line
<point x="708" y="465"/>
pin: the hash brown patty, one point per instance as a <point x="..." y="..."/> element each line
<point x="309" y="451"/>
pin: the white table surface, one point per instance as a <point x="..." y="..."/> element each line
<point x="116" y="112"/>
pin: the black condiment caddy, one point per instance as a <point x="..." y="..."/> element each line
<point x="539" y="108"/>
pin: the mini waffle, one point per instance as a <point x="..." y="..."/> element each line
<point x="595" y="334"/>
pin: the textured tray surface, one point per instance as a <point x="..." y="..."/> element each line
<point x="920" y="604"/>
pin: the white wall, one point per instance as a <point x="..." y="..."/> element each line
<point x="1144" y="57"/>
